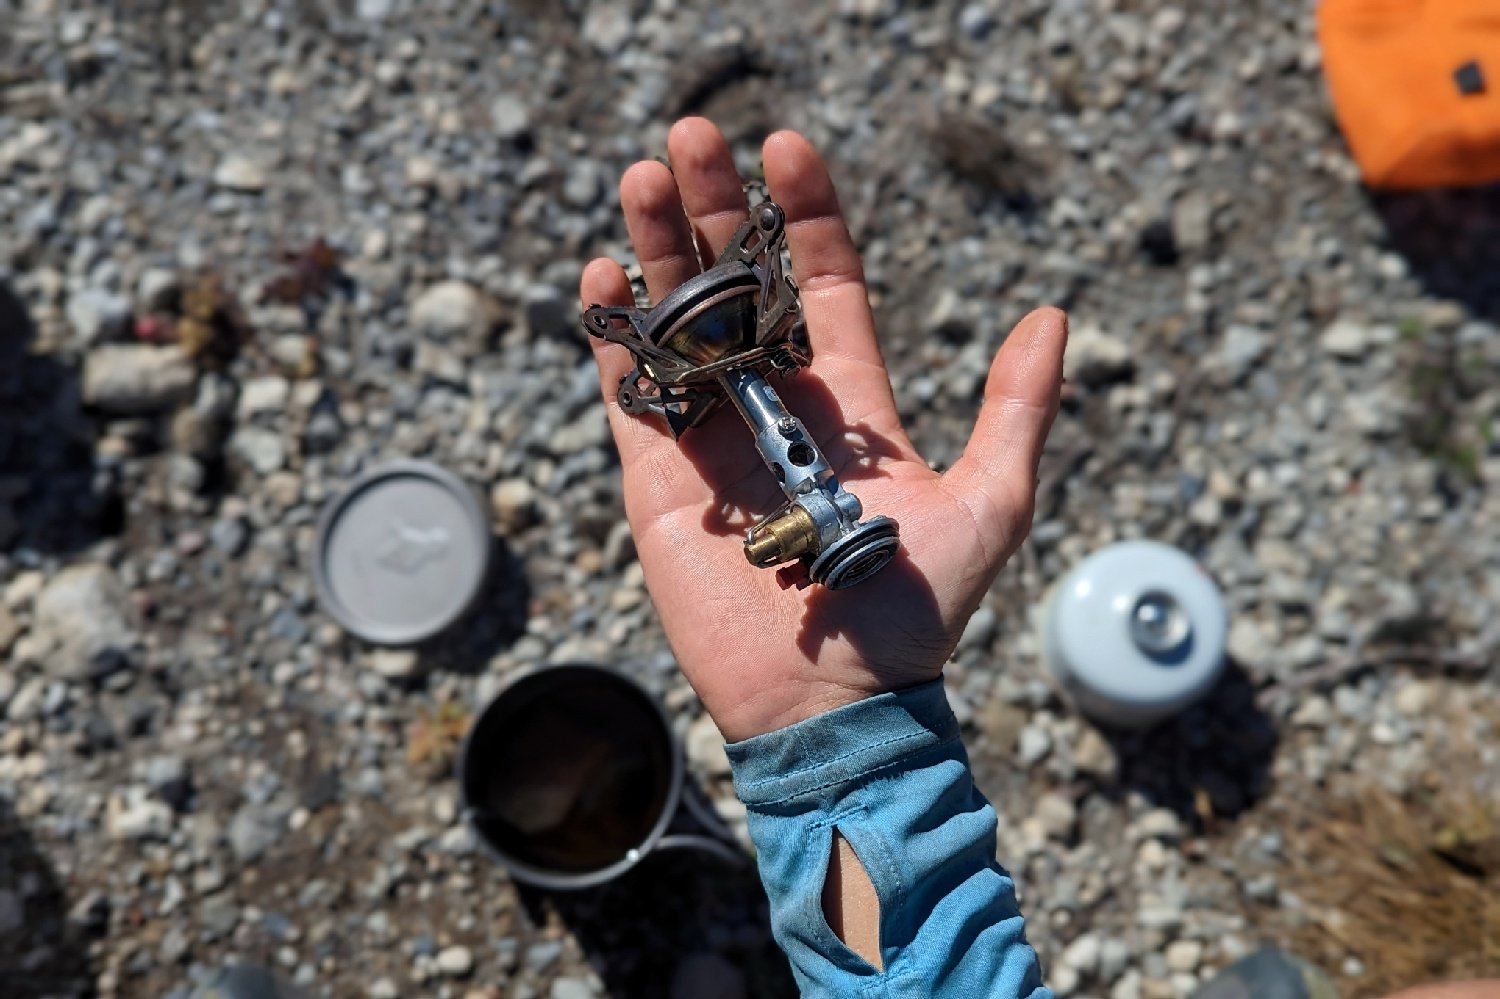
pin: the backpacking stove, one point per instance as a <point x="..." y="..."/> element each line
<point x="719" y="336"/>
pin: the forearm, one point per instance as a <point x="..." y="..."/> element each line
<point x="888" y="774"/>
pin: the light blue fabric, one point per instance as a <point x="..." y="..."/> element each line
<point x="891" y="775"/>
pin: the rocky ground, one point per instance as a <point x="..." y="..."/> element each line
<point x="247" y="250"/>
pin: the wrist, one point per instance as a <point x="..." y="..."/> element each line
<point x="769" y="710"/>
<point x="774" y="708"/>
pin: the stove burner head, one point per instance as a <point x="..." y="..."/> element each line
<point x="720" y="336"/>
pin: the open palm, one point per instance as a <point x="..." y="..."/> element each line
<point x="764" y="648"/>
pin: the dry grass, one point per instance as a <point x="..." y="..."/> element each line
<point x="434" y="736"/>
<point x="1409" y="886"/>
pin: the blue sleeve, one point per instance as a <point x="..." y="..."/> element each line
<point x="891" y="775"/>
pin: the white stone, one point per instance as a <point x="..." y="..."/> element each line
<point x="136" y="815"/>
<point x="1183" y="985"/>
<point x="608" y="26"/>
<point x="1183" y="956"/>
<point x="1094" y="356"/>
<point x="1247" y="645"/>
<point x="1314" y="712"/>
<point x="237" y="172"/>
<point x="513" y="503"/>
<point x="422" y="172"/>
<point x="1033" y="745"/>
<point x="96" y="314"/>
<point x="1151" y="855"/>
<point x="1192" y="221"/>
<point x="261" y="449"/>
<point x="134" y="379"/>
<point x="1346" y="339"/>
<point x="1094" y="756"/>
<point x="156" y="287"/>
<point x="455" y="961"/>
<point x="22" y="590"/>
<point x="1082" y="955"/>
<point x="395" y="664"/>
<point x="268" y="394"/>
<point x="1057" y="814"/>
<point x="1128" y="987"/>
<point x="509" y="116"/>
<point x="292" y="350"/>
<point x="1159" y="823"/>
<point x="1411" y="700"/>
<point x="1064" y="981"/>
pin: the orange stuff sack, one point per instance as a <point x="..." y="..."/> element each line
<point x="1416" y="85"/>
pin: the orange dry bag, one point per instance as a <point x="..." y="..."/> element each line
<point x="1416" y="85"/>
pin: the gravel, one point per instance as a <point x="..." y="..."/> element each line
<point x="1268" y="368"/>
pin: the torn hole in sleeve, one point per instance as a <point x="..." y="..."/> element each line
<point x="850" y="904"/>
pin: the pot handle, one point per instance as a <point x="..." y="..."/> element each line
<point x="707" y="844"/>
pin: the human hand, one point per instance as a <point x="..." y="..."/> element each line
<point x="762" y="651"/>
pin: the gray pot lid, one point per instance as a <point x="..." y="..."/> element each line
<point x="401" y="553"/>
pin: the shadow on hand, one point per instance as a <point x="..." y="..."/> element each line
<point x="892" y="618"/>
<point x="724" y="453"/>
<point x="1450" y="239"/>
<point x="41" y="952"/>
<point x="1209" y="762"/>
<point x="50" y="498"/>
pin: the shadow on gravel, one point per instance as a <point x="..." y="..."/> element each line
<point x="638" y="930"/>
<point x="41" y="953"/>
<point x="48" y="500"/>
<point x="1450" y="240"/>
<point x="496" y="621"/>
<point x="1212" y="761"/>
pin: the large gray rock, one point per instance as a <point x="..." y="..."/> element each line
<point x="97" y="314"/>
<point x="455" y="311"/>
<point x="136" y="379"/>
<point x="83" y="617"/>
<point x="254" y="830"/>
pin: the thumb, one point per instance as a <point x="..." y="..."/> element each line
<point x="996" y="476"/>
